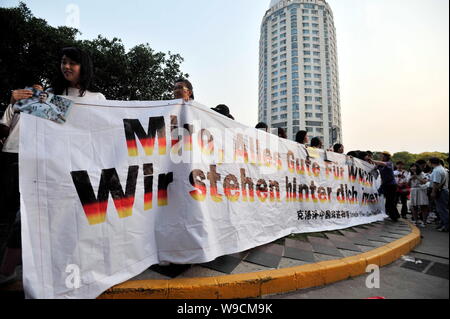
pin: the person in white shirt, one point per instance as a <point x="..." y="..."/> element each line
<point x="419" y="198"/>
<point x="73" y="81"/>
<point x="402" y="177"/>
<point x="439" y="180"/>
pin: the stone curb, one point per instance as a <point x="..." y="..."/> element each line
<point x="257" y="284"/>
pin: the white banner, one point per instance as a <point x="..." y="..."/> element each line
<point x="122" y="186"/>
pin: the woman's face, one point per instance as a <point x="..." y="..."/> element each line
<point x="413" y="169"/>
<point x="71" y="70"/>
<point x="341" y="150"/>
<point x="180" y="91"/>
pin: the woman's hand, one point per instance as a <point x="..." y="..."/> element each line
<point x="22" y="94"/>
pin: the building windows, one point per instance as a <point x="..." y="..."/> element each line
<point x="317" y="83"/>
<point x="305" y="18"/>
<point x="308" y="91"/>
<point x="296" y="99"/>
<point x="283" y="108"/>
<point x="295" y="83"/>
<point x="306" y="45"/>
<point x="296" y="107"/>
<point x="308" y="115"/>
<point x="306" y="38"/>
<point x="294" y="52"/>
<point x="295" y="67"/>
<point x="307" y="60"/>
<point x="283" y="78"/>
<point x="318" y="91"/>
<point x="295" y="75"/>
<point x="314" y="123"/>
<point x="307" y="67"/>
<point x="283" y="116"/>
<point x="305" y="31"/>
<point x="307" y="75"/>
<point x="308" y="98"/>
<point x="275" y="110"/>
<point x="296" y="115"/>
<point x="294" y="60"/>
<point x="308" y="107"/>
<point x="275" y="117"/>
<point x="308" y="83"/>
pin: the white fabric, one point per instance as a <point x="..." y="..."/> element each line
<point x="11" y="119"/>
<point x="197" y="223"/>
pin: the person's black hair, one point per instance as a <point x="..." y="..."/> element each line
<point x="300" y="137"/>
<point x="230" y="116"/>
<point x="188" y="85"/>
<point x="336" y="147"/>
<point x="353" y="154"/>
<point x="61" y="85"/>
<point x="400" y="162"/>
<point x="421" y="162"/>
<point x="370" y="153"/>
<point x="435" y="160"/>
<point x="262" y="125"/>
<point x="282" y="133"/>
<point x="418" y="169"/>
<point x="316" y="142"/>
<point x="361" y="155"/>
<point x="222" y="109"/>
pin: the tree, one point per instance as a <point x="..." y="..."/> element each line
<point x="28" y="49"/>
<point x="29" y="55"/>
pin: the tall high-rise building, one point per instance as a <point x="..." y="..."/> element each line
<point x="298" y="70"/>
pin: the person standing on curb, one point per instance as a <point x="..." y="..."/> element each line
<point x="388" y="185"/>
<point x="439" y="193"/>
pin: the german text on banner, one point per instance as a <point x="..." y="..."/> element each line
<point x="122" y="186"/>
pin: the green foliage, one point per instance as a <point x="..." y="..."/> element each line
<point x="409" y="158"/>
<point x="29" y="55"/>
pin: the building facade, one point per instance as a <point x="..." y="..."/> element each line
<point x="298" y="70"/>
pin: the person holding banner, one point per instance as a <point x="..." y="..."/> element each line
<point x="388" y="185"/>
<point x="316" y="142"/>
<point x="183" y="90"/>
<point x="73" y="81"/>
<point x="302" y="137"/>
<point x="338" y="148"/>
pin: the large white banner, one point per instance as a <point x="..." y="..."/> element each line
<point x="125" y="185"/>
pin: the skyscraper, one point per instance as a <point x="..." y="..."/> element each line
<point x="298" y="70"/>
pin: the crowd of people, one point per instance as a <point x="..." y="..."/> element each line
<point x="427" y="185"/>
<point x="424" y="184"/>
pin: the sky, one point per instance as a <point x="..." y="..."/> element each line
<point x="393" y="58"/>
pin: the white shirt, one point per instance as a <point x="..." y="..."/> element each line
<point x="11" y="119"/>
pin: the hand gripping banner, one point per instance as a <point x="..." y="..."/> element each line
<point x="122" y="186"/>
